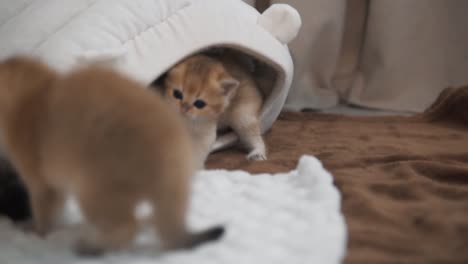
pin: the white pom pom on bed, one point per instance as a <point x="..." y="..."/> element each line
<point x="282" y="21"/>
<point x="144" y="38"/>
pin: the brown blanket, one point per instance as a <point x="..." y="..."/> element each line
<point x="404" y="180"/>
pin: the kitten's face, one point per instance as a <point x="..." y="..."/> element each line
<point x="199" y="88"/>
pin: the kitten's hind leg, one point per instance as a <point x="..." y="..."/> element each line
<point x="169" y="221"/>
<point x="112" y="219"/>
<point x="248" y="129"/>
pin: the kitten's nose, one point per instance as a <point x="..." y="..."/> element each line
<point x="185" y="107"/>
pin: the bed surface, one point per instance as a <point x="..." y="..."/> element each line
<point x="404" y="180"/>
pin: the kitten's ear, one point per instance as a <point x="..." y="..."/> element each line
<point x="229" y="86"/>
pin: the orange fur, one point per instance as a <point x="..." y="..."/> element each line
<point x="104" y="138"/>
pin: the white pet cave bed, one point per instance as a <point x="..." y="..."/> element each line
<point x="143" y="39"/>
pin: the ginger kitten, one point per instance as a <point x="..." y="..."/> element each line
<point x="105" y="139"/>
<point x="212" y="92"/>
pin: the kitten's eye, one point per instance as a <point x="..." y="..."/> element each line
<point x="199" y="104"/>
<point x="178" y="94"/>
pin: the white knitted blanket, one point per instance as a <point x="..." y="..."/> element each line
<point x="289" y="218"/>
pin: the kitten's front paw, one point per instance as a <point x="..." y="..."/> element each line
<point x="84" y="248"/>
<point x="257" y="155"/>
<point x="41" y="231"/>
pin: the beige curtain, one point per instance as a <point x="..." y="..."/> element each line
<point x="392" y="55"/>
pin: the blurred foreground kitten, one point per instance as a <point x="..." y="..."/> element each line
<point x="105" y="139"/>
<point x="216" y="92"/>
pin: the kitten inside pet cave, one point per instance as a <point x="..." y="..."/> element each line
<point x="217" y="91"/>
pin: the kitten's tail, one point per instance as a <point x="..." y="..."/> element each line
<point x="224" y="141"/>
<point x="211" y="234"/>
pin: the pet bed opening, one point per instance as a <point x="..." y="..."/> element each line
<point x="269" y="77"/>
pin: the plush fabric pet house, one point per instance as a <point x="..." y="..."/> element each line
<point x="144" y="38"/>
